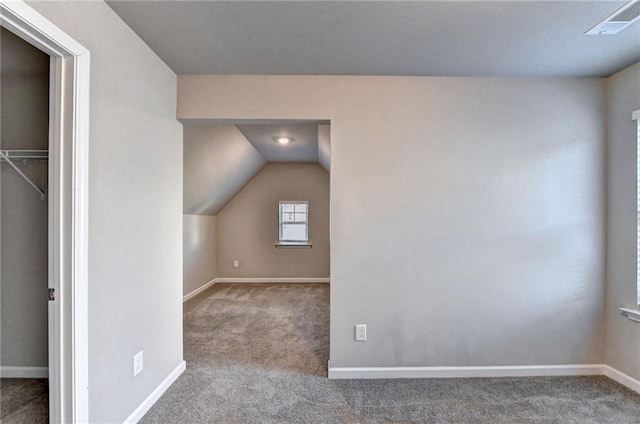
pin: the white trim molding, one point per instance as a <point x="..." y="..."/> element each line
<point x="198" y="290"/>
<point x="271" y="280"/>
<point x="68" y="208"/>
<point x="24" y="372"/>
<point x="636" y="115"/>
<point x="24" y="21"/>
<point x="632" y="314"/>
<point x="465" y="372"/>
<point x="303" y="280"/>
<point x="487" y="371"/>
<point x="250" y="280"/>
<point x="146" y="404"/>
<point x="622" y="378"/>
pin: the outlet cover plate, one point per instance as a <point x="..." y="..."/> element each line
<point x="361" y="332"/>
<point x="138" y="363"/>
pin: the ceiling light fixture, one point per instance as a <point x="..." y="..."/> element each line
<point x="283" y="140"/>
<point x="618" y="20"/>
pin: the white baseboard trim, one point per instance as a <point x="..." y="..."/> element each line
<point x="146" y="404"/>
<point x="465" y="372"/>
<point x="24" y="372"/>
<point x="489" y="371"/>
<point x="622" y="378"/>
<point x="251" y="280"/>
<point x="272" y="280"/>
<point x="198" y="290"/>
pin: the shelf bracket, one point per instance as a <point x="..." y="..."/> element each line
<point x="4" y="155"/>
<point x="632" y="314"/>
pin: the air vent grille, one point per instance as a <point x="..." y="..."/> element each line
<point x="619" y="20"/>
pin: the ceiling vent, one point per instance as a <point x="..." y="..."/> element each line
<point x="619" y="20"/>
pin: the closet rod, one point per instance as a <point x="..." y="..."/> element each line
<point x="4" y="154"/>
<point x="27" y="154"/>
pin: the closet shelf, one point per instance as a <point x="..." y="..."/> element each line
<point x="26" y="156"/>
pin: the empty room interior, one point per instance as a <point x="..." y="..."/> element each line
<point x="319" y="211"/>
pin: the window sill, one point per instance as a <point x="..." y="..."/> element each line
<point x="294" y="246"/>
<point x="632" y="314"/>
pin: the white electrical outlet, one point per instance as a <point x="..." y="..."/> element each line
<point x="236" y="263"/>
<point x="138" y="363"/>
<point x="361" y="332"/>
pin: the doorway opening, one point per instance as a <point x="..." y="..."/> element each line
<point x="66" y="195"/>
<point x="257" y="244"/>
<point x="236" y="177"/>
<point x="24" y="256"/>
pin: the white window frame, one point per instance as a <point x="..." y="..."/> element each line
<point x="293" y="243"/>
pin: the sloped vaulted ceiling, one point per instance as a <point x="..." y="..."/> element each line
<point x="218" y="162"/>
<point x="220" y="159"/>
<point x="303" y="147"/>
<point x="324" y="147"/>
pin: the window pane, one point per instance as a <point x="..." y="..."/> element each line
<point x="287" y="207"/>
<point x="293" y="222"/>
<point x="294" y="232"/>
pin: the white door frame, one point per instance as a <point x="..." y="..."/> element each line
<point x="68" y="208"/>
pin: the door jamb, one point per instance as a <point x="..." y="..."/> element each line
<point x="68" y="208"/>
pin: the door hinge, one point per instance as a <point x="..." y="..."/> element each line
<point x="52" y="294"/>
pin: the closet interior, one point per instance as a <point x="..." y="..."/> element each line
<point x="24" y="250"/>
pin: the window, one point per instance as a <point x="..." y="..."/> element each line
<point x="293" y="223"/>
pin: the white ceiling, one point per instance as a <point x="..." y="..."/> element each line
<point x="438" y="38"/>
<point x="303" y="148"/>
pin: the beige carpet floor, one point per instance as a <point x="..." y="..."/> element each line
<point x="258" y="354"/>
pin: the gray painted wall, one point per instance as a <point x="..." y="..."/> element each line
<point x="218" y="162"/>
<point x="623" y="336"/>
<point x="24" y="124"/>
<point x="467" y="217"/>
<point x="199" y="251"/>
<point x="135" y="210"/>
<point x="248" y="225"/>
